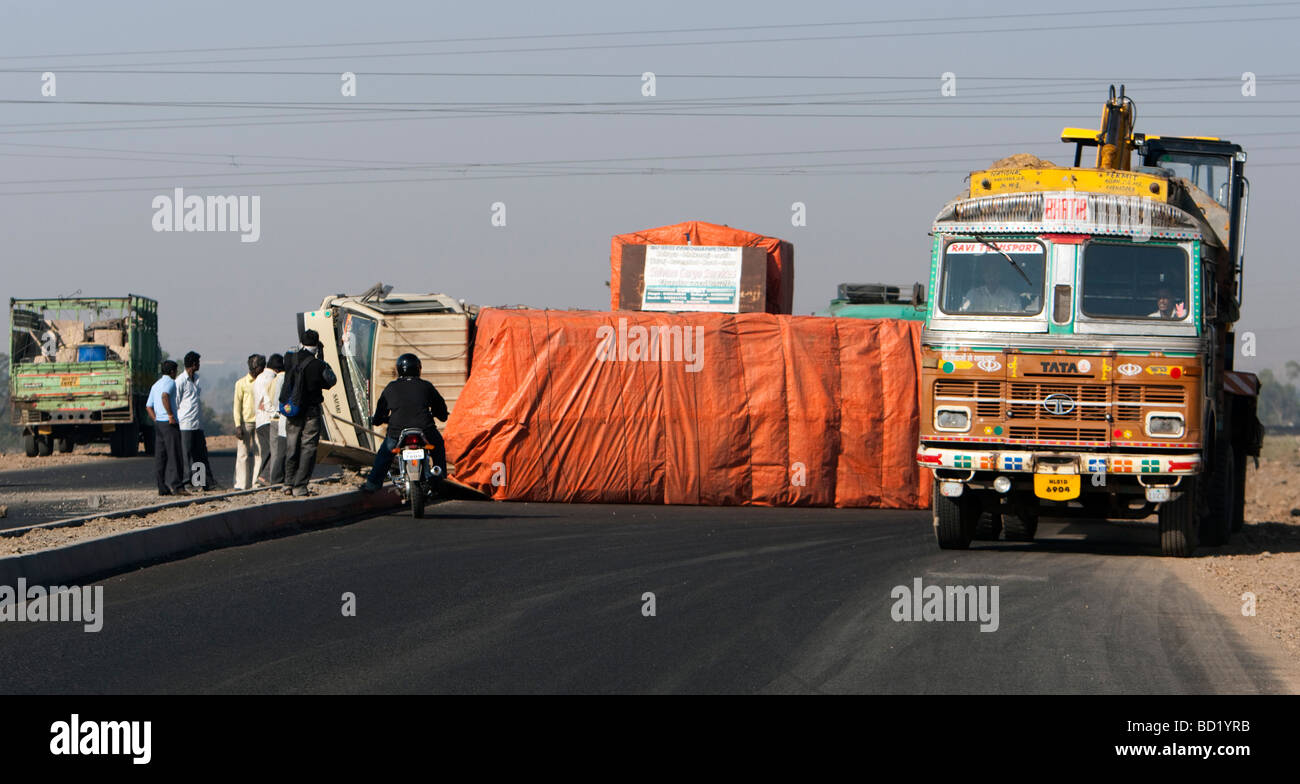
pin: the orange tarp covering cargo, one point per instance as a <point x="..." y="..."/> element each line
<point x="780" y="256"/>
<point x="697" y="408"/>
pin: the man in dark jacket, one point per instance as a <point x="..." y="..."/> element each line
<point x="408" y="401"/>
<point x="304" y="389"/>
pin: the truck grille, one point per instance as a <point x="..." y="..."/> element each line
<point x="1129" y="399"/>
<point x="1090" y="401"/>
<point x="1097" y="434"/>
<point x="986" y="396"/>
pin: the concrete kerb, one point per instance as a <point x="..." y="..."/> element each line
<point x="86" y="560"/>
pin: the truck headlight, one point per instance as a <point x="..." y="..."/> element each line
<point x="1165" y="424"/>
<point x="952" y="419"/>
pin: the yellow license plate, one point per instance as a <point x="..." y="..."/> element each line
<point x="70" y="381"/>
<point x="1056" y="487"/>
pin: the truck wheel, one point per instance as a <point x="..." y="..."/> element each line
<point x="115" y="443"/>
<point x="989" y="527"/>
<point x="1019" y="528"/>
<point x="954" y="520"/>
<point x="1239" y="492"/>
<point x="44" y="445"/>
<point x="29" y="443"/>
<point x="130" y="440"/>
<point x="64" y="444"/>
<point x="1221" y="498"/>
<point x="1178" y="523"/>
<point x="149" y="437"/>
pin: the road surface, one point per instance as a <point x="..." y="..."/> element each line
<point x="494" y="597"/>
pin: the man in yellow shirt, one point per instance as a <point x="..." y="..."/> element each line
<point x="245" y="424"/>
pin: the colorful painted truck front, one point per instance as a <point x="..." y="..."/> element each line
<point x="1078" y="352"/>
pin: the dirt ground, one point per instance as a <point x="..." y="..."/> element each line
<point x="1264" y="558"/>
<point x="45" y="538"/>
<point x="89" y="453"/>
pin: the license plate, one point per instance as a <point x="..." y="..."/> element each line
<point x="1056" y="487"/>
<point x="70" y="381"/>
<point x="412" y="454"/>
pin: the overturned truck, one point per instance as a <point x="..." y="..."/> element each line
<point x="362" y="336"/>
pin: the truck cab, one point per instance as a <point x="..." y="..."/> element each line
<point x="1077" y="354"/>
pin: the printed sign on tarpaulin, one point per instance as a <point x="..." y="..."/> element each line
<point x="692" y="278"/>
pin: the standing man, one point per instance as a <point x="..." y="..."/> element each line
<point x="189" y="409"/>
<point x="167" y="438"/>
<point x="281" y="445"/>
<point x="247" y="463"/>
<point x="310" y="377"/>
<point x="267" y="417"/>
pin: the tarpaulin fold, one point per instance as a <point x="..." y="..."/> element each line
<point x="694" y="408"/>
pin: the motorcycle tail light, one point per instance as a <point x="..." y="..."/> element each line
<point x="413" y="440"/>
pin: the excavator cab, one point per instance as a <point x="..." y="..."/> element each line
<point x="1217" y="169"/>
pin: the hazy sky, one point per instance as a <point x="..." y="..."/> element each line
<point x="585" y="154"/>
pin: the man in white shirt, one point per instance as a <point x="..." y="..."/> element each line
<point x="266" y="399"/>
<point x="189" y="410"/>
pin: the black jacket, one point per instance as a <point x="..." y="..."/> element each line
<point x="409" y="402"/>
<point x="314" y="376"/>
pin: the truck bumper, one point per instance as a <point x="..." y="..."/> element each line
<point x="1026" y="462"/>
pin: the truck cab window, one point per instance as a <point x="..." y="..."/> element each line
<point x="978" y="280"/>
<point x="1138" y="281"/>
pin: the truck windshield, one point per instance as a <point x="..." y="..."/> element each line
<point x="978" y="280"/>
<point x="1137" y="281"/>
<point x="356" y="350"/>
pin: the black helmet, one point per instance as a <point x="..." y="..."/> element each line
<point x="408" y="365"/>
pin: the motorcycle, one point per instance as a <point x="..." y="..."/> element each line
<point x="413" y="471"/>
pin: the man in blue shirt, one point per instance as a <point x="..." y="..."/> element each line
<point x="167" y="437"/>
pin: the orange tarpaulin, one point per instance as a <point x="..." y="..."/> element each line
<point x="698" y="408"/>
<point x="780" y="256"/>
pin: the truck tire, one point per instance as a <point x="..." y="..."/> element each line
<point x="29" y="443"/>
<point x="1019" y="528"/>
<point x="148" y="436"/>
<point x="130" y="440"/>
<point x="1239" y="491"/>
<point x="44" y="446"/>
<point x="64" y="445"/>
<point x="989" y="527"/>
<point x="1178" y="522"/>
<point x="1221" y="498"/>
<point x="954" y="520"/>
<point x="115" y="443"/>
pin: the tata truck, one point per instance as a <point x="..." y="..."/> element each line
<point x="1077" y="357"/>
<point x="80" y="370"/>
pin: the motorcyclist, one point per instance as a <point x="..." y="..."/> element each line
<point x="408" y="401"/>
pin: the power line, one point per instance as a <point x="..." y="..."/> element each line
<point x="1164" y="23"/>
<point x="669" y="31"/>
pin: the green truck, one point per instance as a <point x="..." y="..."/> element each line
<point x="80" y="371"/>
<point x="878" y="300"/>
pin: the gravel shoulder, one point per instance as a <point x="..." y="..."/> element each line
<point x="46" y="538"/>
<point x="1264" y="558"/>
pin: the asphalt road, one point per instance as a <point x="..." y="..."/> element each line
<point x="491" y="597"/>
